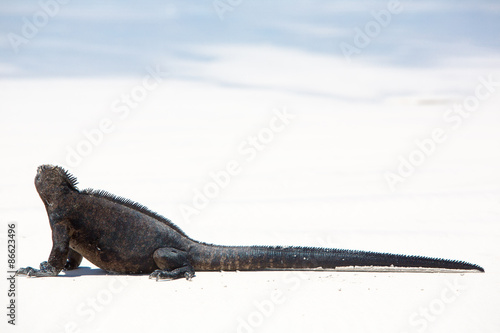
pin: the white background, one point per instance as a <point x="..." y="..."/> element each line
<point x="320" y="181"/>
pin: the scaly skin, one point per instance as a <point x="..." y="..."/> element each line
<point x="121" y="236"/>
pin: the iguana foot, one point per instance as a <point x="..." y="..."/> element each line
<point x="187" y="272"/>
<point x="46" y="269"/>
<point x="73" y="261"/>
<point x="70" y="266"/>
<point x="173" y="264"/>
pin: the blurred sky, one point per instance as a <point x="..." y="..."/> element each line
<point x="121" y="38"/>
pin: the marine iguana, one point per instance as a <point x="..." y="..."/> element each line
<point x="121" y="236"/>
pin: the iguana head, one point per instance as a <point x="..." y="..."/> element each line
<point x="51" y="181"/>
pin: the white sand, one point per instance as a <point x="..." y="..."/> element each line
<point x="319" y="182"/>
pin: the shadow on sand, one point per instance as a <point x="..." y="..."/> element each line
<point x="84" y="271"/>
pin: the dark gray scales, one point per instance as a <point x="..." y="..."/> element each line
<point x="121" y="236"/>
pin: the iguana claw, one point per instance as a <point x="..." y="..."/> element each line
<point x="46" y="269"/>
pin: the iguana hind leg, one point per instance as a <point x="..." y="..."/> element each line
<point x="172" y="264"/>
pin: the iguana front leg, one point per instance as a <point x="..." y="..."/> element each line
<point x="74" y="260"/>
<point x="58" y="255"/>
<point x="173" y="264"/>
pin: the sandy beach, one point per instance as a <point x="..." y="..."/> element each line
<point x="255" y="142"/>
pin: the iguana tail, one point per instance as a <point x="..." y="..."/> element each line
<point x="207" y="257"/>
